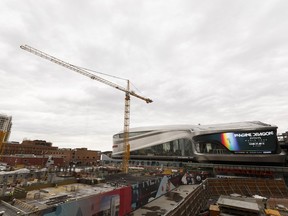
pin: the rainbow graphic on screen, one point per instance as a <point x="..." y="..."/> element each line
<point x="229" y="141"/>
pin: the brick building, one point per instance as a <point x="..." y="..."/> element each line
<point x="80" y="156"/>
<point x="37" y="147"/>
<point x="83" y="156"/>
<point x="31" y="160"/>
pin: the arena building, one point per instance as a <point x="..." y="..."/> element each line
<point x="250" y="142"/>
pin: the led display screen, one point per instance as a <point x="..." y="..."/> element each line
<point x="255" y="142"/>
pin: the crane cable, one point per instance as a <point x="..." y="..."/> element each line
<point x="116" y="77"/>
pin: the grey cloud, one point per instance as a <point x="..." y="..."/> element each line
<point x="199" y="61"/>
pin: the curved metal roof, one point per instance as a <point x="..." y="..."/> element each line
<point x="246" y="125"/>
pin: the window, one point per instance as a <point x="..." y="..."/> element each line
<point x="179" y="147"/>
<point x="210" y="148"/>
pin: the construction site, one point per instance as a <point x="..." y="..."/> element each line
<point x="193" y="189"/>
<point x="164" y="171"/>
<point x="147" y="188"/>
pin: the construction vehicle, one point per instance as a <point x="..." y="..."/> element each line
<point x="128" y="92"/>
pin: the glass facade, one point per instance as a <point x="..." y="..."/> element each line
<point x="179" y="147"/>
<point x="210" y="147"/>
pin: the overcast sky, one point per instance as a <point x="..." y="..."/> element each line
<point x="205" y="61"/>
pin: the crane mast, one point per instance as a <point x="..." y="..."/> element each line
<point x="126" y="149"/>
<point x="126" y="146"/>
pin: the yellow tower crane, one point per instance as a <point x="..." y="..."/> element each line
<point x="128" y="92"/>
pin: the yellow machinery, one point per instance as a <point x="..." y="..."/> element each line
<point x="126" y="147"/>
<point x="2" y="143"/>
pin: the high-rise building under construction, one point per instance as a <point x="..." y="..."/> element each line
<point x="5" y="125"/>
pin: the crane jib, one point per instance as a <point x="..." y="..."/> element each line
<point x="82" y="71"/>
